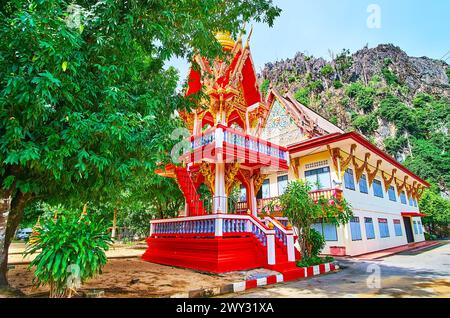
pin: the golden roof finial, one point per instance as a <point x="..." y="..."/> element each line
<point x="224" y="38"/>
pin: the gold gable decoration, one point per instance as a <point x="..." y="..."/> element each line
<point x="372" y="174"/>
<point x="258" y="181"/>
<point x="400" y="187"/>
<point x="210" y="177"/>
<point x="359" y="170"/>
<point x="295" y="164"/>
<point x="388" y="180"/>
<point x="231" y="171"/>
<point x="338" y="161"/>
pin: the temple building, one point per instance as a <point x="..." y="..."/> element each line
<point x="244" y="149"/>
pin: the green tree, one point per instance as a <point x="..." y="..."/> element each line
<point x="437" y="210"/>
<point x="343" y="63"/>
<point x="85" y="100"/>
<point x="303" y="212"/>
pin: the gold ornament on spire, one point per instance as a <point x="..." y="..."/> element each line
<point x="225" y="39"/>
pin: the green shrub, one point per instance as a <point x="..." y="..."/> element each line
<point x="302" y="96"/>
<point x="314" y="260"/>
<point x="392" y="109"/>
<point x="327" y="70"/>
<point x="366" y="124"/>
<point x="334" y="120"/>
<point x="363" y="95"/>
<point x="264" y="88"/>
<point x="337" y="84"/>
<point x="315" y="86"/>
<point x="71" y="250"/>
<point x="421" y="100"/>
<point x="394" y="145"/>
<point x="389" y="76"/>
<point x="316" y="242"/>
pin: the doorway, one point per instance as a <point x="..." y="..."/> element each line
<point x="408" y="229"/>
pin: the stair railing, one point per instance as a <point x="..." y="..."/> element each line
<point x="216" y="225"/>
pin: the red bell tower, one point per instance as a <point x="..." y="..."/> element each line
<point x="225" y="148"/>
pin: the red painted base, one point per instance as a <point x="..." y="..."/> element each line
<point x="217" y="255"/>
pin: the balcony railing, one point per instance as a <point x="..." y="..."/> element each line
<point x="236" y="145"/>
<point x="264" y="204"/>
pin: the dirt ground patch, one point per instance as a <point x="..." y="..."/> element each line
<point x="132" y="277"/>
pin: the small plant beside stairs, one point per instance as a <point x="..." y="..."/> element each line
<point x="302" y="212"/>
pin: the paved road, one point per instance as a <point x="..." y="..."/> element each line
<point x="421" y="274"/>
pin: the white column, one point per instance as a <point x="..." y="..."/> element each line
<point x="186" y="208"/>
<point x="151" y="229"/>
<point x="270" y="249"/>
<point x="252" y="196"/>
<point x="219" y="227"/>
<point x="290" y="248"/>
<point x="220" y="200"/>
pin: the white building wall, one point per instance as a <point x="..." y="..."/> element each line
<point x="363" y="205"/>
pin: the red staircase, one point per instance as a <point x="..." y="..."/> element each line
<point x="190" y="192"/>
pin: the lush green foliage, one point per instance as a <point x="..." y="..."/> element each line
<point x="437" y="210"/>
<point x="264" y="87"/>
<point x="366" y="124"/>
<point x="363" y="95"/>
<point x="302" y="95"/>
<point x="302" y="212"/>
<point x="344" y="62"/>
<point x="327" y="70"/>
<point x="389" y="76"/>
<point x="317" y="242"/>
<point x="337" y="84"/>
<point x="70" y="248"/>
<point x="86" y="105"/>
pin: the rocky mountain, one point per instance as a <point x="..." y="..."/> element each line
<point x="420" y="74"/>
<point x="401" y="103"/>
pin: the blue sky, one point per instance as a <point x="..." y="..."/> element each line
<point x="419" y="27"/>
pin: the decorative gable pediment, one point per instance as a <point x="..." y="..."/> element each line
<point x="280" y="127"/>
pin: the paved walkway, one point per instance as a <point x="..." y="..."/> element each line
<point x="424" y="273"/>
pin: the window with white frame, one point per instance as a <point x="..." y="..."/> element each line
<point x="319" y="178"/>
<point x="403" y="197"/>
<point x="391" y="193"/>
<point x="370" y="231"/>
<point x="265" y="189"/>
<point x="282" y="184"/>
<point x="363" y="184"/>
<point x="377" y="188"/>
<point x="419" y="224"/>
<point x="349" y="179"/>
<point x="416" y="231"/>
<point x="411" y="203"/>
<point x="328" y="230"/>
<point x="383" y="227"/>
<point x="355" y="229"/>
<point x="398" y="228"/>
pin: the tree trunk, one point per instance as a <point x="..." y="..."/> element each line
<point x="11" y="213"/>
<point x="5" y="205"/>
<point x="114" y="226"/>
